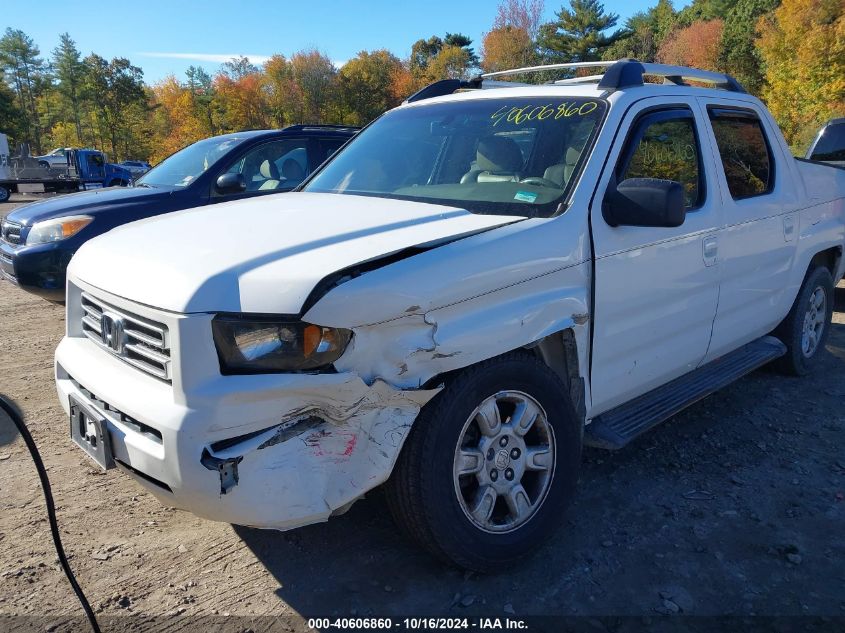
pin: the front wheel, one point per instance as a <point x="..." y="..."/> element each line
<point x="5" y="194"/>
<point x="805" y="329"/>
<point x="490" y="465"/>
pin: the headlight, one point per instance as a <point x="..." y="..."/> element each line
<point x="57" y="229"/>
<point x="248" y="344"/>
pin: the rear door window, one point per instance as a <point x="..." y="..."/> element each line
<point x="744" y="150"/>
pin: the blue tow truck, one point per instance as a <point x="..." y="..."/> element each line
<point x="85" y="169"/>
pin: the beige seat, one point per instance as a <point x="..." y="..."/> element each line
<point x="562" y="172"/>
<point x="292" y="172"/>
<point x="270" y="173"/>
<point x="497" y="159"/>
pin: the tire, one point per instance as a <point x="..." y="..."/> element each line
<point x="805" y="329"/>
<point x="44" y="164"/>
<point x="433" y="504"/>
<point x="5" y="194"/>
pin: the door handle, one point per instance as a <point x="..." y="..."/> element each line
<point x="788" y="227"/>
<point x="710" y="250"/>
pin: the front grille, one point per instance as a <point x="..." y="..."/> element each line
<point x="11" y="232"/>
<point x="5" y="258"/>
<point x="142" y="343"/>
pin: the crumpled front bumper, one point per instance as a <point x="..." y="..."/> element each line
<point x="271" y="451"/>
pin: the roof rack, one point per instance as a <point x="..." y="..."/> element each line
<point x="630" y="72"/>
<point x="544" y="67"/>
<point x="622" y="73"/>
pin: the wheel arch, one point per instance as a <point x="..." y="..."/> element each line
<point x="830" y="258"/>
<point x="559" y="351"/>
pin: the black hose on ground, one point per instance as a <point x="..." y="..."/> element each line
<point x="17" y="419"/>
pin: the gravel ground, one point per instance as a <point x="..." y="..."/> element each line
<point x="735" y="507"/>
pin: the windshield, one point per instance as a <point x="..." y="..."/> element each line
<point x="514" y="156"/>
<point x="185" y="166"/>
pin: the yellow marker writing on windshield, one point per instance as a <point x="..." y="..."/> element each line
<point x="519" y="115"/>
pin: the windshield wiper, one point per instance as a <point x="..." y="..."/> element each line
<point x="145" y="185"/>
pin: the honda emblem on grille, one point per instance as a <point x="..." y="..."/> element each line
<point x="112" y="332"/>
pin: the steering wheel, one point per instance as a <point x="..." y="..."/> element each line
<point x="538" y="180"/>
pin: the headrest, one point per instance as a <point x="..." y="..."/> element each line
<point x="572" y="155"/>
<point x="269" y="170"/>
<point x="498" y="153"/>
<point x="292" y="170"/>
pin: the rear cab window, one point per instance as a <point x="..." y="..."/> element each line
<point x="744" y="151"/>
<point x="829" y="146"/>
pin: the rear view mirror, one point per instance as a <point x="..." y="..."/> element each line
<point x="645" y="202"/>
<point x="230" y="183"/>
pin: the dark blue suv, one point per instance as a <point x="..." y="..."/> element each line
<point x="38" y="240"/>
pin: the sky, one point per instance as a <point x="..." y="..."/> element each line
<point x="165" y="37"/>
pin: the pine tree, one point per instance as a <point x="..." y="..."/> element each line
<point x="19" y="58"/>
<point x="578" y="34"/>
<point x="738" y="55"/>
<point x="70" y="72"/>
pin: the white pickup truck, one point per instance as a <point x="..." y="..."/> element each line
<point x="473" y="288"/>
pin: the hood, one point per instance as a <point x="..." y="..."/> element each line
<point x="93" y="202"/>
<point x="263" y="254"/>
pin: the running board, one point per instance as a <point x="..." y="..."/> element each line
<point x="617" y="427"/>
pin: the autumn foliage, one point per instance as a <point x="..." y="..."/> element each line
<point x="696" y="45"/>
<point x="791" y="53"/>
<point x="802" y="44"/>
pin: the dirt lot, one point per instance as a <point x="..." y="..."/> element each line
<point x="734" y="507"/>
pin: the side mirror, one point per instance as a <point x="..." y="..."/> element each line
<point x="230" y="183"/>
<point x="645" y="202"/>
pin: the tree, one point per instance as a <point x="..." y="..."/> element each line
<point x="284" y="95"/>
<point x="422" y="52"/>
<point x="315" y="74"/>
<point x="507" y="47"/>
<point x="697" y="45"/>
<point x="704" y="10"/>
<point x="238" y="68"/>
<point x="367" y="85"/>
<point x="452" y="62"/>
<point x="403" y="83"/>
<point x="578" y="34"/>
<point x="802" y="44"/>
<point x="201" y="90"/>
<point x="512" y="42"/>
<point x="525" y="15"/>
<point x="663" y="18"/>
<point x="12" y="117"/>
<point x="460" y="40"/>
<point x="113" y="87"/>
<point x="436" y="58"/>
<point x="175" y="121"/>
<point x="644" y="32"/>
<point x="70" y="73"/>
<point x="738" y="55"/>
<point x="638" y="41"/>
<point x="19" y="58"/>
<point x="242" y="101"/>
